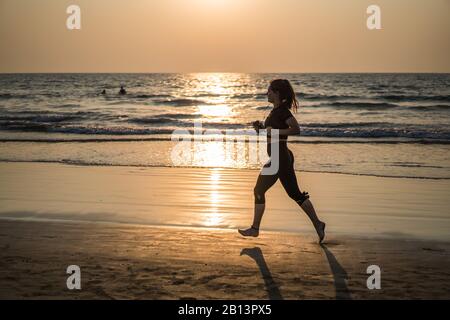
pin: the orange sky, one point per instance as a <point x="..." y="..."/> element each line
<point x="224" y="36"/>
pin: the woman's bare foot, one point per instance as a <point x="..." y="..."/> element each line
<point x="250" y="232"/>
<point x="321" y="231"/>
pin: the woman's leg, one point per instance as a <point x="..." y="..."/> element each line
<point x="263" y="184"/>
<point x="289" y="181"/>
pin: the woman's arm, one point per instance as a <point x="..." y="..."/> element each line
<point x="293" y="129"/>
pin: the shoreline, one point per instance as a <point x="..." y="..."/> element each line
<point x="415" y="161"/>
<point x="75" y="163"/>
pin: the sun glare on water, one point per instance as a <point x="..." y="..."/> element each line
<point x="214" y="218"/>
<point x="214" y="111"/>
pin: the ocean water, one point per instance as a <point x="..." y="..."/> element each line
<point x="393" y="125"/>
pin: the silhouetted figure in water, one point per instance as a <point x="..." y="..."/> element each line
<point x="103" y="92"/>
<point x="282" y="96"/>
<point x="122" y="90"/>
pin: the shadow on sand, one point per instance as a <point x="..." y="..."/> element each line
<point x="271" y="287"/>
<point x="339" y="274"/>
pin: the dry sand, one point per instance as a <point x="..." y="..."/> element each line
<point x="135" y="262"/>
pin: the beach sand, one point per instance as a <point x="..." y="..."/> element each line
<point x="146" y="233"/>
<point x="135" y="262"/>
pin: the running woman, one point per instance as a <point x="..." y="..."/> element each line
<point x="281" y="94"/>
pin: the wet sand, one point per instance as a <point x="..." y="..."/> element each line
<point x="223" y="198"/>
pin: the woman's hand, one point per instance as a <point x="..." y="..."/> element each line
<point x="258" y="125"/>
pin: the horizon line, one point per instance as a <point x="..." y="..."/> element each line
<point x="236" y="72"/>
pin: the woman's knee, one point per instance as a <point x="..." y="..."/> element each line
<point x="259" y="196"/>
<point x="299" y="197"/>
